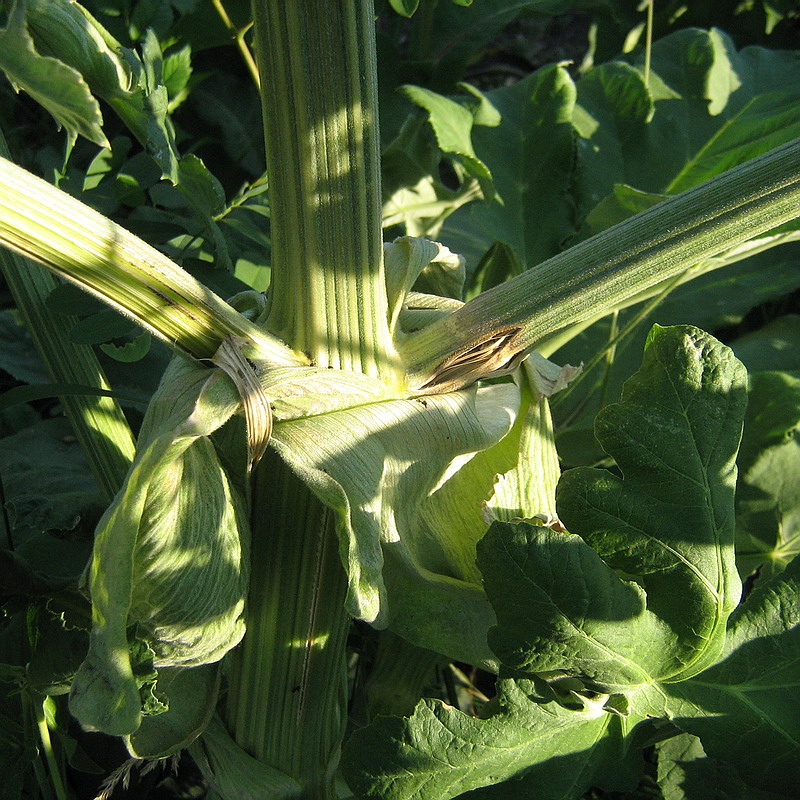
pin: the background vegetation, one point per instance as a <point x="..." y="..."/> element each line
<point x="510" y="131"/>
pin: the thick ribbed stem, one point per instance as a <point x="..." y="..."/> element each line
<point x="288" y="698"/>
<point x="45" y="224"/>
<point x="615" y="266"/>
<point x="318" y="76"/>
<point x="399" y="676"/>
<point x="98" y="422"/>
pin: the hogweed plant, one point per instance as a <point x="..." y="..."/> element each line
<point x="358" y="443"/>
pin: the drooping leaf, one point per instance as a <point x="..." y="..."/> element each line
<point x="192" y="697"/>
<point x="55" y="85"/>
<point x="375" y="465"/>
<point x="170" y="555"/>
<point x="234" y="773"/>
<point x="134" y="87"/>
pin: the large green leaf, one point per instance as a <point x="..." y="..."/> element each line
<point x="531" y="156"/>
<point x="542" y="750"/>
<point x="574" y="613"/>
<point x="746" y="708"/>
<point x="705" y="108"/>
<point x="563" y="610"/>
<point x="56" y="85"/>
<point x="768" y="493"/>
<point x="669" y="521"/>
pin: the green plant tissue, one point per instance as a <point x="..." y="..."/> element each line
<point x="170" y="554"/>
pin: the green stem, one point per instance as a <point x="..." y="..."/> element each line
<point x="37" y="706"/>
<point x="99" y="423"/>
<point x="602" y="273"/>
<point x="288" y="688"/>
<point x="287" y="704"/>
<point x="318" y="76"/>
<point x="45" y="224"/>
<point x="399" y="675"/>
<point x="238" y="36"/>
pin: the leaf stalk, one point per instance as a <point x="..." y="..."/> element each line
<point x="607" y="270"/>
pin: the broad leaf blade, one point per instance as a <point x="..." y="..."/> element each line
<point x="670" y="521"/>
<point x="560" y="607"/>
<point x="542" y="751"/>
<point x="746" y="708"/>
<point x="531" y="156"/>
<point x="55" y="85"/>
<point x="768" y="493"/>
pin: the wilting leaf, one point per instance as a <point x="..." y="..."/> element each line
<point x="170" y="553"/>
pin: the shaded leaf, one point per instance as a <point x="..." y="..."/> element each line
<point x="55" y="85"/>
<point x="775" y="346"/>
<point x="64" y="496"/>
<point x="20" y="359"/>
<point x="746" y="708"/>
<point x="669" y="523"/>
<point x="768" y="492"/>
<point x="135" y="350"/>
<point x="531" y="156"/>
<point x="452" y="124"/>
<point x="539" y="749"/>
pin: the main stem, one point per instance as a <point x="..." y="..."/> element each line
<point x="287" y="700"/>
<point x="318" y="77"/>
<point x="288" y="690"/>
